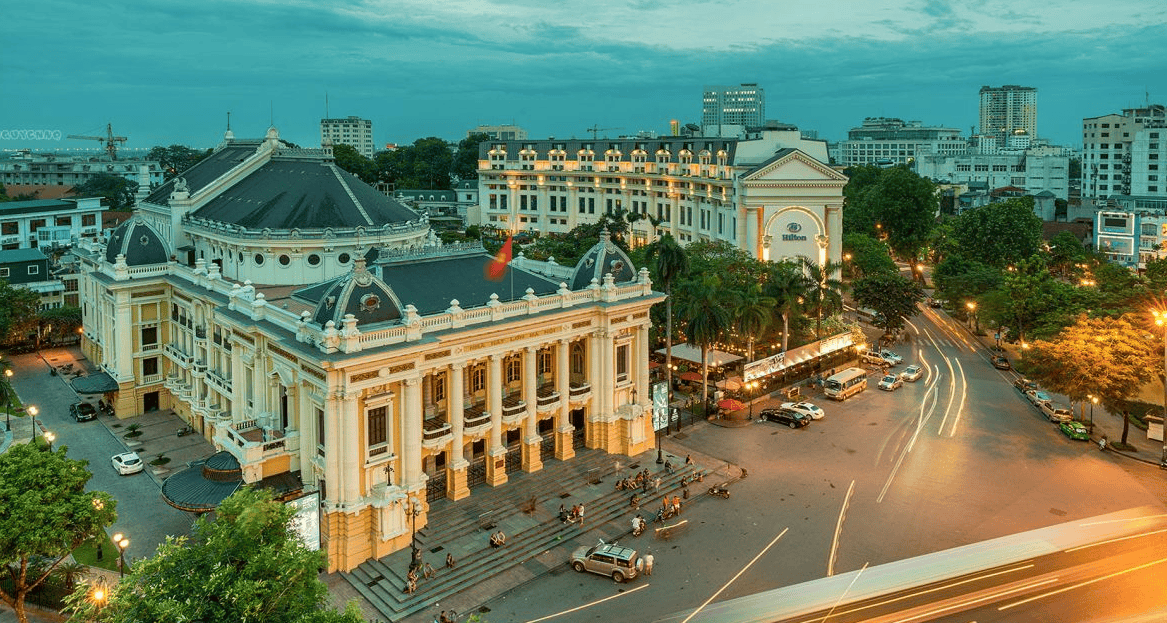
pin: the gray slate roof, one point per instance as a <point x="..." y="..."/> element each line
<point x="138" y="241"/>
<point x="12" y="256"/>
<point x="208" y="170"/>
<point x="303" y="193"/>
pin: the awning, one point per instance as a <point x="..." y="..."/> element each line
<point x="99" y="383"/>
<point x="204" y="485"/>
<point x="693" y="354"/>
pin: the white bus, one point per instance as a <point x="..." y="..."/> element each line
<point x="845" y="384"/>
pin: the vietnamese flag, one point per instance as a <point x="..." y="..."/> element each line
<point x="497" y="267"/>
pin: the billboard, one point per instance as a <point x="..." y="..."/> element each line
<point x="305" y="521"/>
<point x="660" y="406"/>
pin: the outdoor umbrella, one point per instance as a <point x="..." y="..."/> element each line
<point x="729" y="404"/>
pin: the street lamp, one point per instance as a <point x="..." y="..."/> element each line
<point x="414" y="552"/>
<point x="752" y="386"/>
<point x="50" y="438"/>
<point x="1160" y="320"/>
<point x="32" y="410"/>
<point x="122" y="542"/>
<point x="972" y="312"/>
<point x="1093" y="401"/>
<point x="98" y="595"/>
<point x="8" y="391"/>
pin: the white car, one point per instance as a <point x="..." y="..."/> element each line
<point x="892" y="356"/>
<point x="912" y="373"/>
<point x="891" y="382"/>
<point x="127" y="463"/>
<point x="1055" y="412"/>
<point x="811" y="411"/>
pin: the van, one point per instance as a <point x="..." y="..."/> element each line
<point x="615" y="561"/>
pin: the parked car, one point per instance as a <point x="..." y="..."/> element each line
<point x="811" y="411"/>
<point x="82" y="411"/>
<point x="1055" y="412"/>
<point x="912" y="373"/>
<point x="127" y="463"/>
<point x="1037" y="397"/>
<point x="891" y="356"/>
<point x="793" y="419"/>
<point x="615" y="561"/>
<point x="891" y="382"/>
<point x="1000" y="362"/>
<point x="935" y="303"/>
<point x="874" y="357"/>
<point x="1023" y="384"/>
<point x="1074" y="430"/>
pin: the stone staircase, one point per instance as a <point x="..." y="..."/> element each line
<point x="463" y="528"/>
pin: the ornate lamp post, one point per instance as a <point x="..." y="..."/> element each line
<point x="8" y="400"/>
<point x="414" y="553"/>
<point x="50" y="437"/>
<point x="1093" y="401"/>
<point x="1161" y="320"/>
<point x="32" y="410"/>
<point x="98" y="596"/>
<point x="972" y="312"/>
<point x="122" y="542"/>
<point x="752" y="386"/>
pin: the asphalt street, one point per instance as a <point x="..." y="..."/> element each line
<point x="955" y="458"/>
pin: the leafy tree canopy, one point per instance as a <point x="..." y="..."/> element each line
<point x="869" y="256"/>
<point x="736" y="269"/>
<point x="1065" y="251"/>
<point x="901" y="205"/>
<point x="245" y="566"/>
<point x="1105" y="357"/>
<point x="348" y="158"/>
<point x="959" y="279"/>
<point x="176" y="158"/>
<point x="117" y="191"/>
<point x="425" y="165"/>
<point x="999" y="234"/>
<point x="568" y="247"/>
<point x="1030" y="301"/>
<point x="18" y="312"/>
<point x="46" y="514"/>
<point x="893" y="296"/>
<point x="465" y="164"/>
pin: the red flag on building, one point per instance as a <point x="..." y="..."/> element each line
<point x="497" y="267"/>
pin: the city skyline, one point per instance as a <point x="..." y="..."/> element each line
<point x="163" y="75"/>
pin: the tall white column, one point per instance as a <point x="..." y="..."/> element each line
<point x="751" y="216"/>
<point x="563" y="385"/>
<point x="411" y="414"/>
<point x="351" y="454"/>
<point x="530" y="394"/>
<point x="455" y="413"/>
<point x="641" y="354"/>
<point x="123" y="343"/>
<point x="494" y="383"/>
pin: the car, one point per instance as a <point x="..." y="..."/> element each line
<point x="1037" y="397"/>
<point x="892" y="356"/>
<point x="912" y="373"/>
<point x="793" y="419"/>
<point x="876" y="357"/>
<point x="1074" y="430"/>
<point x="935" y="303"/>
<point x="127" y="463"/>
<point x="1023" y="384"/>
<point x="891" y="382"/>
<point x="811" y="411"/>
<point x="1000" y="362"/>
<point x="83" y="411"/>
<point x="1055" y="412"/>
<point x="615" y="561"/>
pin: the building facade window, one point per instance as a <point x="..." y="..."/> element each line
<point x="378" y="426"/>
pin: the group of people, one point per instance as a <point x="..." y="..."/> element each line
<point x="641" y="480"/>
<point x="575" y="514"/>
<point x="669" y="507"/>
<point x="425" y="570"/>
<point x="498" y="539"/>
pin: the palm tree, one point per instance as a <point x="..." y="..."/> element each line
<point x="752" y="313"/>
<point x="703" y="306"/>
<point x="786" y="284"/>
<point x="825" y="288"/>
<point x="671" y="263"/>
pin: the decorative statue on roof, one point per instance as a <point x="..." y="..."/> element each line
<point x="180" y="185"/>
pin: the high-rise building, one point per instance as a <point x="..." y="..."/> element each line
<point x="743" y="105"/>
<point x="1008" y="110"/>
<point x="352" y="131"/>
<point x="1124" y="154"/>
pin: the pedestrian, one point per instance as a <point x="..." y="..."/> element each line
<point x="411" y="588"/>
<point x="648" y="559"/>
<point x="449" y="561"/>
<point x="688" y="459"/>
<point x="676" y="505"/>
<point x="656" y="484"/>
<point x="581" y="512"/>
<point x="428" y="570"/>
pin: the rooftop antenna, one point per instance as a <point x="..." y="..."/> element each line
<point x="228" y="120"/>
<point x="271" y="113"/>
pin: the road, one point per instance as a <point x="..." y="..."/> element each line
<point x="142" y="514"/>
<point x="955" y="458"/>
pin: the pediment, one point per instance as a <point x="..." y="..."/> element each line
<point x="794" y="165"/>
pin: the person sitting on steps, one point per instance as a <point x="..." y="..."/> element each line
<point x="498" y="539"/>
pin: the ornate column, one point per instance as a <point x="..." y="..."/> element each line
<point x="532" y="461"/>
<point x="563" y="427"/>
<point x="351" y="444"/>
<point x="643" y="393"/>
<point x="496" y="473"/>
<point x="751" y="244"/>
<point x="456" y="487"/>
<point x="411" y="414"/>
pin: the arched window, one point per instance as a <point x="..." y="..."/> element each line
<point x="577" y="358"/>
<point x="513" y="368"/>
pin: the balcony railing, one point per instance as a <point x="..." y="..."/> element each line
<point x="513" y="406"/>
<point x="580" y="389"/>
<point x="435" y="428"/>
<point x="475" y="415"/>
<point x="546" y="396"/>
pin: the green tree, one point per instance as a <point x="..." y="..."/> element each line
<point x="999" y="234"/>
<point x="959" y="279"/>
<point x="869" y="256"/>
<point x="245" y="566"/>
<point x="46" y="513"/>
<point x="901" y="206"/>
<point x="824" y="289"/>
<point x="59" y="322"/>
<point x="425" y="165"/>
<point x="117" y="191"/>
<point x="465" y="164"/>
<point x="736" y="268"/>
<point x="348" y="158"/>
<point x="18" y="313"/>
<point x="669" y="263"/>
<point x="704" y="307"/>
<point x="751" y="313"/>
<point x="894" y="297"/>
<point x="1065" y="251"/>
<point x="176" y="159"/>
<point x="1156" y="274"/>
<point x="1106" y="357"/>
<point x="787" y="285"/>
<point x="1030" y="301"/>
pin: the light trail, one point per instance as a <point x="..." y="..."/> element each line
<point x="1116" y="540"/>
<point x="838" y="530"/>
<point x="1081" y="584"/>
<point x="970" y="602"/>
<point x="590" y="604"/>
<point x="735" y="577"/>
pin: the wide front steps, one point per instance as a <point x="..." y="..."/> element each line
<point x="383" y="582"/>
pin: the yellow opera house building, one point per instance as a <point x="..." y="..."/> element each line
<point x="321" y="338"/>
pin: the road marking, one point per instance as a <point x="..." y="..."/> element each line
<point x="839" y="529"/>
<point x="963" y="399"/>
<point x="734" y="578"/>
<point x="1081" y="584"/>
<point x="951" y="395"/>
<point x="1121" y="538"/>
<point x="978" y="600"/>
<point x="589" y="605"/>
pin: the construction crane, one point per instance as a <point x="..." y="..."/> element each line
<point x="109" y="139"/>
<point x="596" y="129"/>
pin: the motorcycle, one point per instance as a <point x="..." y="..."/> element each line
<point x="186" y="430"/>
<point x="719" y="490"/>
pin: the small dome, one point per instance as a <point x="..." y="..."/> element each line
<point x="139" y="242"/>
<point x="605" y="257"/>
<point x="360" y="293"/>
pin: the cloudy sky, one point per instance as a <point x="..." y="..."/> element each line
<point x="168" y="72"/>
